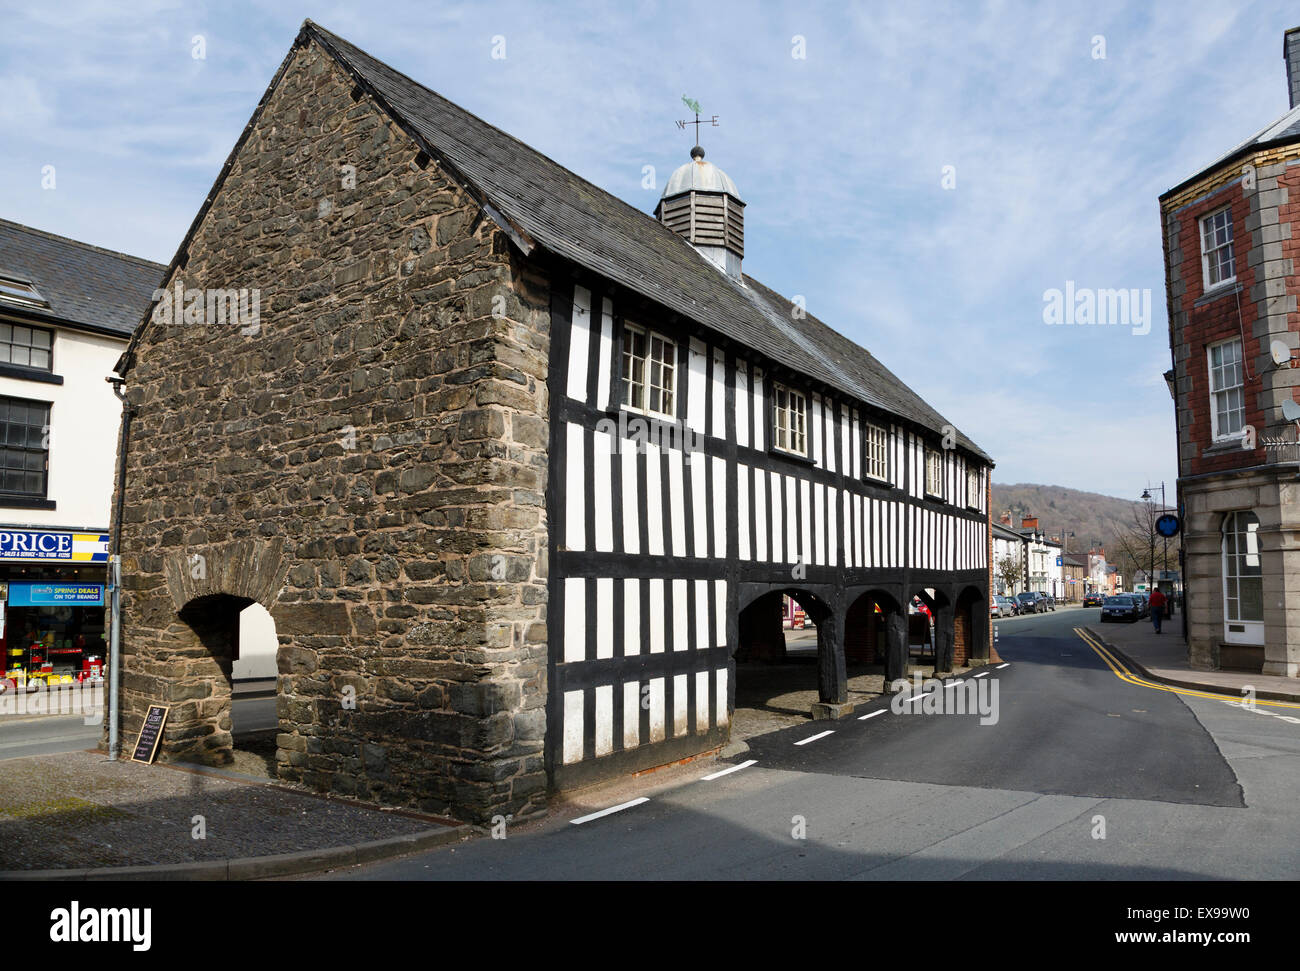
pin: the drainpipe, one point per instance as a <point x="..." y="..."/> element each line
<point x="115" y="580"/>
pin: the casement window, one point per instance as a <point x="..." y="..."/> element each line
<point x="933" y="472"/>
<point x="1243" y="582"/>
<point x="789" y="420"/>
<point x="24" y="447"/>
<point x="1217" y="263"/>
<point x="27" y="346"/>
<point x="877" y="452"/>
<point x="973" y="488"/>
<point x="1227" y="391"/>
<point x="19" y="290"/>
<point x="649" y="372"/>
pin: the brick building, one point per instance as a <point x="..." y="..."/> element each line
<point x="518" y="470"/>
<point x="1230" y="244"/>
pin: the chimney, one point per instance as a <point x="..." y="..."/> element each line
<point x="1291" y="55"/>
<point x="702" y="205"/>
<point x="1005" y="519"/>
<point x="1029" y="522"/>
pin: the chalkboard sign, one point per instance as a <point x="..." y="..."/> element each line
<point x="146" y="745"/>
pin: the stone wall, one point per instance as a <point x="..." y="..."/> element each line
<point x="367" y="460"/>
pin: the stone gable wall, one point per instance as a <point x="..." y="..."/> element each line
<point x="369" y="463"/>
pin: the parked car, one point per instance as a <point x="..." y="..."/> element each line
<point x="1002" y="607"/>
<point x="1144" y="604"/>
<point x="1049" y="600"/>
<point x="1122" y="606"/>
<point x="1031" y="602"/>
<point x="1093" y="600"/>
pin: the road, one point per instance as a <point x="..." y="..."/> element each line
<point x="50" y="734"/>
<point x="1082" y="776"/>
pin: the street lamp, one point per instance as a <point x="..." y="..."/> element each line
<point x="1147" y="497"/>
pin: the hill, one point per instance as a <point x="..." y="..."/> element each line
<point x="1094" y="519"/>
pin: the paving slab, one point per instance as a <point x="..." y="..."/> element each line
<point x="79" y="812"/>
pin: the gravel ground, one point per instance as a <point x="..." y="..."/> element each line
<point x="81" y="810"/>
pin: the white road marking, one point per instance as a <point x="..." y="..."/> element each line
<point x="871" y="714"/>
<point x="728" y="771"/>
<point x="1001" y="666"/>
<point x="955" y="681"/>
<point x="612" y="809"/>
<point x="813" y="738"/>
<point x="982" y="674"/>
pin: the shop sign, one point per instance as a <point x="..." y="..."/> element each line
<point x="56" y="594"/>
<point x="36" y="545"/>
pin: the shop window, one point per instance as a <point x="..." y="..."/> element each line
<point x="24" y="447"/>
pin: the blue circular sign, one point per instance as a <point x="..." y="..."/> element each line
<point x="1168" y="525"/>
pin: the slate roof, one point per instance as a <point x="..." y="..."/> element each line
<point x="583" y="223"/>
<point x="1284" y="129"/>
<point x="85" y="285"/>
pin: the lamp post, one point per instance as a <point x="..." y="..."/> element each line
<point x="1146" y="495"/>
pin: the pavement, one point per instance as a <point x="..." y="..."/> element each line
<point x="1163" y="657"/>
<point x="80" y="816"/>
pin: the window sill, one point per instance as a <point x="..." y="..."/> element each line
<point x="29" y="374"/>
<point x="1215" y="292"/>
<point x="1224" y="446"/>
<point x="792" y="456"/>
<point x="933" y="497"/>
<point x="25" y="502"/>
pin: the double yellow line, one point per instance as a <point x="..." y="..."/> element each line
<point x="1124" y="674"/>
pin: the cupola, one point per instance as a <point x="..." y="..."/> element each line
<point x="701" y="204"/>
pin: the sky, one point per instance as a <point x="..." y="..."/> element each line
<point x="924" y="175"/>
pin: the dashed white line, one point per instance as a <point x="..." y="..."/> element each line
<point x="871" y="714"/>
<point x="728" y="771"/>
<point x="982" y="674"/>
<point x="813" y="738"/>
<point x="1001" y="666"/>
<point x="954" y="681"/>
<point x="612" y="809"/>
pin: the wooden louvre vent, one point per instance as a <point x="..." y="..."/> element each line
<point x="706" y="219"/>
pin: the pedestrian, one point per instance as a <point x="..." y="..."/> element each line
<point x="1157" y="607"/>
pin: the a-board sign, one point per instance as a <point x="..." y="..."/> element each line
<point x="146" y="744"/>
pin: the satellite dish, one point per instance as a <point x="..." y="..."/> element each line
<point x="1290" y="409"/>
<point x="1281" y="353"/>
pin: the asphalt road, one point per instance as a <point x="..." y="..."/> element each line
<point x="1082" y="776"/>
<point x="51" y="734"/>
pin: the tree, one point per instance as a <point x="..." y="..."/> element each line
<point x="1011" y="571"/>
<point x="1134" y="540"/>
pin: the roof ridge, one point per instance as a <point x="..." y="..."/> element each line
<point x="82" y="245"/>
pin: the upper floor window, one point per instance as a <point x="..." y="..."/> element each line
<point x="933" y="472"/>
<point x="24" y="446"/>
<point x="789" y="420"/>
<point x="1217" y="261"/>
<point x="973" y="488"/>
<point x="28" y="346"/>
<point x="1227" y="393"/>
<point x="877" y="452"/>
<point x="649" y="370"/>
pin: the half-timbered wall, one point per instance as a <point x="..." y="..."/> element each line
<point x="657" y="526"/>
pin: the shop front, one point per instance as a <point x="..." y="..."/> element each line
<point x="53" y="628"/>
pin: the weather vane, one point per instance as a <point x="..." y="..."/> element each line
<point x="695" y="107"/>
